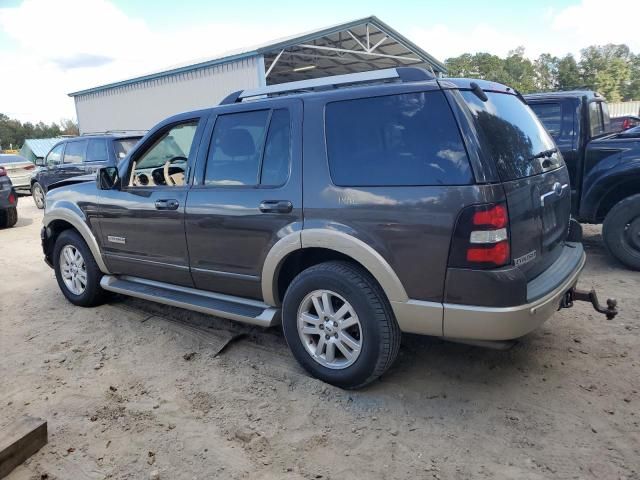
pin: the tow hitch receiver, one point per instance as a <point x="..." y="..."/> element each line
<point x="575" y="294"/>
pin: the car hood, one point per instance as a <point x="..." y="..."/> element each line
<point x="73" y="180"/>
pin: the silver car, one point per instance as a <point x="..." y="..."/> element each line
<point x="19" y="170"/>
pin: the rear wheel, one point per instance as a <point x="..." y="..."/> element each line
<point x="38" y="195"/>
<point x="76" y="270"/>
<point x="621" y="231"/>
<point x="8" y="217"/>
<point x="339" y="324"/>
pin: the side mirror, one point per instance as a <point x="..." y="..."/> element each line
<point x="40" y="162"/>
<point x="108" y="178"/>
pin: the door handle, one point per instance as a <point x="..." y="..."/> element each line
<point x="170" y="204"/>
<point x="276" y="206"/>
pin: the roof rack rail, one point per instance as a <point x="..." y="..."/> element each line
<point x="401" y="74"/>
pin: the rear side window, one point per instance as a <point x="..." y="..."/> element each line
<point x="250" y="148"/>
<point x="75" y="152"/>
<point x="97" y="150"/>
<point x="512" y="134"/>
<point x="550" y="114"/>
<point x="406" y="139"/>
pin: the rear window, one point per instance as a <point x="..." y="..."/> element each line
<point x="12" y="159"/>
<point x="406" y="139"/>
<point x="550" y="114"/>
<point x="513" y="135"/>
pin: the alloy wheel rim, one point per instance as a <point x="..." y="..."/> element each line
<point x="39" y="196"/>
<point x="330" y="329"/>
<point x="73" y="269"/>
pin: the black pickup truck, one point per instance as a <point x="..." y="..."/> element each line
<point x="604" y="167"/>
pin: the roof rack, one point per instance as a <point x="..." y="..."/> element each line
<point x="401" y="74"/>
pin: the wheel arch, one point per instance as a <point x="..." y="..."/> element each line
<point x="300" y="250"/>
<point x="59" y="219"/>
<point x="616" y="193"/>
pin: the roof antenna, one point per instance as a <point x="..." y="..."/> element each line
<point x="475" y="88"/>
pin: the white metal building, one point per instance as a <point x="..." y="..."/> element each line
<point x="139" y="103"/>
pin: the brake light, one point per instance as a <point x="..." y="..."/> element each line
<point x="626" y="124"/>
<point x="30" y="167"/>
<point x="495" y="216"/>
<point x="481" y="237"/>
<point x="12" y="198"/>
<point x="3" y="172"/>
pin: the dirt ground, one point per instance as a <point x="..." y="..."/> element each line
<point x="134" y="390"/>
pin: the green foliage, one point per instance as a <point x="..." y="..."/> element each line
<point x="613" y="70"/>
<point x="13" y="132"/>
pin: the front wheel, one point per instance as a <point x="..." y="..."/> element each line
<point x="339" y="324"/>
<point x="621" y="231"/>
<point x="77" y="272"/>
<point x="38" y="195"/>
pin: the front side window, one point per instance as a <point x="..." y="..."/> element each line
<point x="75" y="152"/>
<point x="54" y="157"/>
<point x="406" y="139"/>
<point x="165" y="162"/>
<point x="97" y="150"/>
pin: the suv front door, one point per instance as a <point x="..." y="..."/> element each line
<point x="53" y="160"/>
<point x="142" y="223"/>
<point x="247" y="194"/>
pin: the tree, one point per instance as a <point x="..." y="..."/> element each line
<point x="546" y="69"/>
<point x="519" y="71"/>
<point x="13" y="132"/>
<point x="69" y="127"/>
<point x="569" y="76"/>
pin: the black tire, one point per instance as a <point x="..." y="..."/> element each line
<point x="37" y="192"/>
<point x="8" y="217"/>
<point x="621" y="231"/>
<point x="380" y="332"/>
<point x="93" y="294"/>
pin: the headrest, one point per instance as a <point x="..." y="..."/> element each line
<point x="237" y="142"/>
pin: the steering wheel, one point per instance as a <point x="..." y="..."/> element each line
<point x="168" y="179"/>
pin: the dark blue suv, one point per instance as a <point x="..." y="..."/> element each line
<point x="78" y="156"/>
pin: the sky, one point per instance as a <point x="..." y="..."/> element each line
<point x="50" y="48"/>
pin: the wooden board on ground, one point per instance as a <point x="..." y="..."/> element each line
<point x="19" y="440"/>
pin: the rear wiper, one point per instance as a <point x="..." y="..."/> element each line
<point x="544" y="154"/>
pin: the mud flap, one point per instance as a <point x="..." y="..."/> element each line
<point x="576" y="295"/>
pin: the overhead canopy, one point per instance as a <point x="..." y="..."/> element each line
<point x="361" y="45"/>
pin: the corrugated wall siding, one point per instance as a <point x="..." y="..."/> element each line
<point x="620" y="109"/>
<point x="140" y="106"/>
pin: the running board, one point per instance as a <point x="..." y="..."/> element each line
<point x="240" y="309"/>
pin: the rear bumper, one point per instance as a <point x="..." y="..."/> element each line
<point x="506" y="323"/>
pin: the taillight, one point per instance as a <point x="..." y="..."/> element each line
<point x="481" y="237"/>
<point x="30" y="167"/>
<point x="626" y="124"/>
<point x="12" y="198"/>
<point x="3" y="172"/>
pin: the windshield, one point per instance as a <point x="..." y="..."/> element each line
<point x="519" y="144"/>
<point x="123" y="146"/>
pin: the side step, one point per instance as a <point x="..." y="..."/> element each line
<point x="234" y="308"/>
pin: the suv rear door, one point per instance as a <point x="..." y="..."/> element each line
<point x="97" y="155"/>
<point x="536" y="186"/>
<point x="247" y="194"/>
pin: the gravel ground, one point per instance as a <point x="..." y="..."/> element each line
<point x="136" y="390"/>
